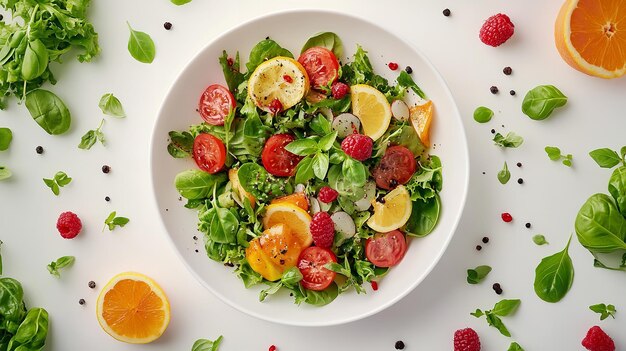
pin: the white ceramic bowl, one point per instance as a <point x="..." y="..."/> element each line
<point x="291" y="30"/>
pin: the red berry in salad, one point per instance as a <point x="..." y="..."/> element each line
<point x="322" y="229"/>
<point x="327" y="194"/>
<point x="598" y="340"/>
<point x="466" y="340"/>
<point x="392" y="66"/>
<point x="358" y="146"/>
<point x="506" y="217"/>
<point x="276" y="106"/>
<point x="69" y="225"/>
<point x="496" y="30"/>
<point x="339" y="90"/>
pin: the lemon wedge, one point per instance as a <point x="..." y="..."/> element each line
<point x="372" y="108"/>
<point x="393" y="213"/>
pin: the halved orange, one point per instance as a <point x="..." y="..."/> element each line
<point x="297" y="219"/>
<point x="133" y="308"/>
<point x="591" y="36"/>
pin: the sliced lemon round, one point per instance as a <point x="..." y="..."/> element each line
<point x="297" y="219"/>
<point x="372" y="108"/>
<point x="281" y="78"/>
<point x="393" y="213"/>
<point x="133" y="308"/>
<point x="421" y="118"/>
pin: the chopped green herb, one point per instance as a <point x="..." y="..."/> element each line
<point x="206" y="345"/>
<point x="89" y="139"/>
<point x="59" y="180"/>
<point x="501" y="309"/>
<point x="61" y="262"/>
<point x="554" y="153"/>
<point x="112" y="221"/>
<point x="510" y="140"/>
<point x="539" y="239"/>
<point x="504" y="175"/>
<point x="476" y="275"/>
<point x="604" y="310"/>
<point x="110" y="105"/>
<point x="483" y="114"/>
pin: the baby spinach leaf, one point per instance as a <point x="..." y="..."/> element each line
<point x="424" y="216"/>
<point x="178" y="3"/>
<point x="11" y="296"/>
<point x="483" y="114"/>
<point x="554" y="276"/>
<point x="5" y="173"/>
<point x="354" y="171"/>
<point x="181" y="144"/>
<point x="32" y="332"/>
<point x="539" y="239"/>
<point x="511" y="140"/>
<point x="110" y="105"/>
<point x="617" y="188"/>
<point x="504" y="175"/>
<point x="140" y="46"/>
<point x="204" y="344"/>
<point x="89" y="139"/>
<point x="302" y="147"/>
<point x="265" y="50"/>
<point x="515" y="347"/>
<point x="195" y="184"/>
<point x="61" y="262"/>
<point x="506" y="307"/>
<point x="605" y="157"/>
<point x="599" y="225"/>
<point x="405" y="80"/>
<point x="224" y="226"/>
<point x="113" y="221"/>
<point x="319" y="298"/>
<point x="476" y="275"/>
<point x="604" y="310"/>
<point x="328" y="40"/>
<point x="541" y="101"/>
<point x="5" y="138"/>
<point x="35" y="60"/>
<point x="49" y="111"/>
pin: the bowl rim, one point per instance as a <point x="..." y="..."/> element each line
<point x="341" y="320"/>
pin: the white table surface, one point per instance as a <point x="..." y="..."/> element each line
<point x="427" y="318"/>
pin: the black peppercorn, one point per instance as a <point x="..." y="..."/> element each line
<point x="408" y="69"/>
<point x="167" y="25"/>
<point x="81" y="301"/>
<point x="512" y="92"/>
<point x="91" y="284"/>
<point x="478" y="247"/>
<point x="507" y="70"/>
<point x="519" y="164"/>
<point x="107" y="199"/>
<point x="195" y="238"/>
<point x="527" y="225"/>
<point x="446" y="12"/>
<point x="496" y="287"/>
<point x="520" y="181"/>
<point x="39" y="150"/>
<point x="485" y="240"/>
<point x="493" y="131"/>
<point x="493" y="89"/>
<point x="106" y="169"/>
<point x="399" y="345"/>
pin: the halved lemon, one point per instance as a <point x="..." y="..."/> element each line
<point x="372" y="108"/>
<point x="281" y="78"/>
<point x="421" y="118"/>
<point x="133" y="308"/>
<point x="393" y="213"/>
<point x="297" y="219"/>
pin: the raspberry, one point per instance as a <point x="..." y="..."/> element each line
<point x="358" y="146"/>
<point x="327" y="194"/>
<point x="339" y="90"/>
<point x="496" y="30"/>
<point x="598" y="340"/>
<point x="322" y="229"/>
<point x="69" y="225"/>
<point x="466" y="340"/>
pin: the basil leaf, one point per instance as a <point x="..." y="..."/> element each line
<point x="476" y="275"/>
<point x="515" y="347"/>
<point x="617" y="188"/>
<point x="88" y="140"/>
<point x="195" y="184"/>
<point x="302" y="147"/>
<point x="504" y="175"/>
<point x="478" y="313"/>
<point x="304" y="170"/>
<point x="54" y="266"/>
<point x="505" y="307"/>
<point x="62" y="179"/>
<point x="511" y="140"/>
<point x="405" y="80"/>
<point x="354" y="172"/>
<point x="320" y="125"/>
<point x="263" y="51"/>
<point x="181" y="144"/>
<point x="224" y="227"/>
<point x="554" y="276"/>
<point x="140" y="46"/>
<point x="110" y="105"/>
<point x="326" y="142"/>
<point x="605" y="157"/>
<point x="539" y="239"/>
<point x="52" y="185"/>
<point x="6" y="135"/>
<point x="495" y="321"/>
<point x="328" y="40"/>
<point x="483" y="114"/>
<point x="541" y="101"/>
<point x="180" y="2"/>
<point x="604" y="310"/>
<point x="424" y="216"/>
<point x="113" y="221"/>
<point x="35" y="61"/>
<point x="203" y="344"/>
<point x="554" y="153"/>
<point x="320" y="165"/>
<point x="599" y="225"/>
<point x="5" y="173"/>
<point x="49" y="111"/>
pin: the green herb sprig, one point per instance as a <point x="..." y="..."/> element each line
<point x="61" y="262"/>
<point x="554" y="153"/>
<point x="59" y="180"/>
<point x="501" y="309"/>
<point x="112" y="221"/>
<point x="604" y="310"/>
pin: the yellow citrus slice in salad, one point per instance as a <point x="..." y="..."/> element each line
<point x="393" y="213"/>
<point x="297" y="219"/>
<point x="281" y="78"/>
<point x="372" y="108"/>
<point x="133" y="308"/>
<point x="421" y="118"/>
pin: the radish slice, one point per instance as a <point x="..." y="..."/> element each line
<point x="299" y="188"/>
<point x="327" y="112"/>
<point x="314" y="205"/>
<point x="344" y="226"/>
<point x="400" y="110"/>
<point x="346" y="124"/>
<point x="365" y="202"/>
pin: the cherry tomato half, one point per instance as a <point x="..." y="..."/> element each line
<point x="396" y="167"/>
<point x="311" y="264"/>
<point x="321" y="66"/>
<point x="276" y="159"/>
<point x="209" y="153"/>
<point x="386" y="249"/>
<point x="215" y="104"/>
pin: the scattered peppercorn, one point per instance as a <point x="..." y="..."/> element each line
<point x="493" y="89"/>
<point x="493" y="131"/>
<point x="399" y="345"/>
<point x="107" y="199"/>
<point x="512" y="92"/>
<point x="392" y="66"/>
<point x="106" y="169"/>
<point x="485" y="239"/>
<point x="167" y="25"/>
<point x="507" y="70"/>
<point x="39" y="149"/>
<point x="478" y="247"/>
<point x="506" y="217"/>
<point x="81" y="301"/>
<point x="519" y="164"/>
<point x="408" y="69"/>
<point x="520" y="181"/>
<point x="195" y="238"/>
<point x="91" y="284"/>
<point x="446" y="12"/>
<point x="496" y="287"/>
<point x="197" y="250"/>
<point x="527" y="225"/>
